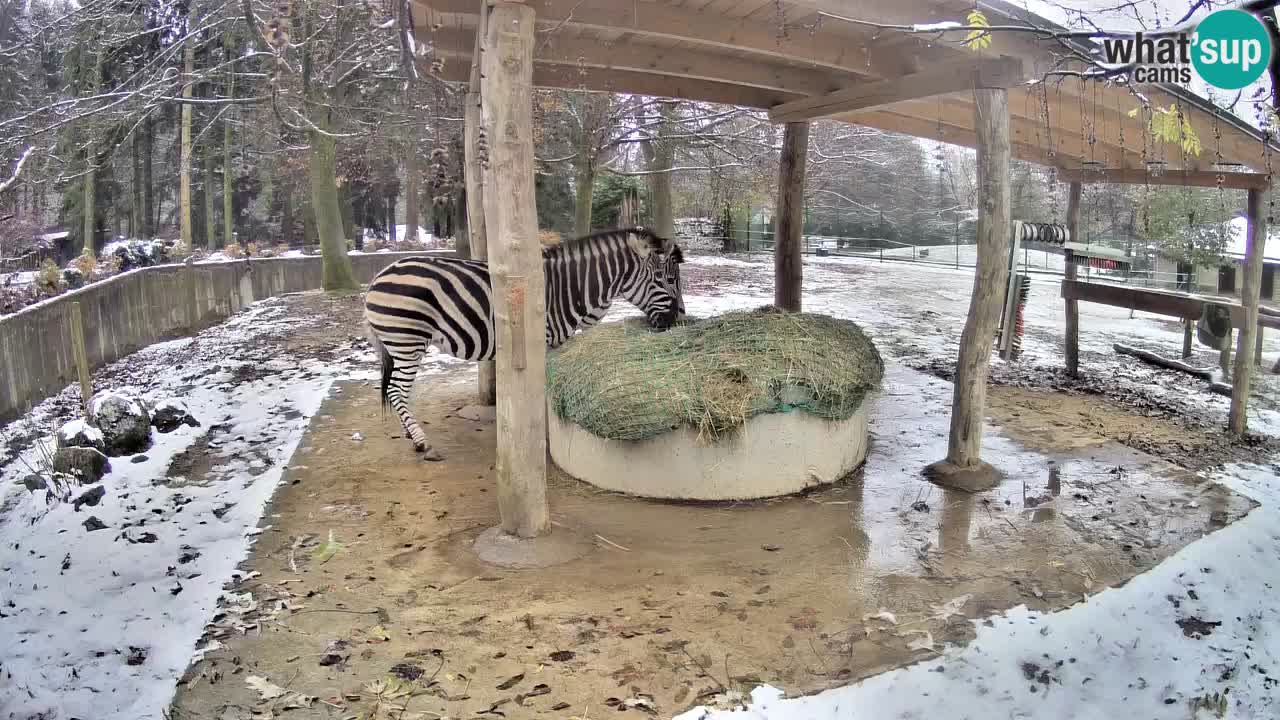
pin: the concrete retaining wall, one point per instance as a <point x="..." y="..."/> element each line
<point x="141" y="307"/>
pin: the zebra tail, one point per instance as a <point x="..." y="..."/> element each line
<point x="387" y="365"/>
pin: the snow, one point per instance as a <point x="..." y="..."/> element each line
<point x="17" y="278"/>
<point x="75" y="604"/>
<point x="96" y="402"/>
<point x="1238" y="241"/>
<point x="938" y="26"/>
<point x="403" y="234"/>
<point x="79" y="427"/>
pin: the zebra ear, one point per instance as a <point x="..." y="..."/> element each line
<point x="640" y="245"/>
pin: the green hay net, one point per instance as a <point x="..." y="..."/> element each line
<point x="623" y="382"/>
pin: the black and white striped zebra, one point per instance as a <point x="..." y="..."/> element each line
<point x="446" y="302"/>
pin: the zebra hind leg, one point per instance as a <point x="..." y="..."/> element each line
<point x="397" y="385"/>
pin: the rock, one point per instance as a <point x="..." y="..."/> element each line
<point x="90" y="498"/>
<point x="124" y="421"/>
<point x="93" y="523"/>
<point x="85" y="464"/>
<point x="80" y="434"/>
<point x="169" y="415"/>
<point x="34" y="483"/>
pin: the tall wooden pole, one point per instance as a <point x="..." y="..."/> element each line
<point x="1072" y="334"/>
<point x="473" y="172"/>
<point x="788" y="268"/>
<point x="963" y="468"/>
<point x="511" y="225"/>
<point x="1249" y="299"/>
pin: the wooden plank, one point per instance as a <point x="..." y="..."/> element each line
<point x="982" y="73"/>
<point x="824" y="49"/>
<point x="991" y="117"/>
<point x="1243" y="376"/>
<point x="788" y="269"/>
<point x="1134" y="298"/>
<point x="1072" y="334"/>
<point x="515" y="263"/>
<point x="473" y="177"/>
<point x="627" y="81"/>
<point x="1192" y="178"/>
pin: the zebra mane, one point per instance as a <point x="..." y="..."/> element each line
<point x="656" y="243"/>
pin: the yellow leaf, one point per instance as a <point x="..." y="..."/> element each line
<point x="1134" y="112"/>
<point x="978" y="38"/>
<point x="379" y="633"/>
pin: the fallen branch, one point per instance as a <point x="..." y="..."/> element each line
<point x="1207" y="374"/>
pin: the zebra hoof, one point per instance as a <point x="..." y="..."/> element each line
<point x="432" y="455"/>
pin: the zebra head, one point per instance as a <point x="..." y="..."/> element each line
<point x="658" y="291"/>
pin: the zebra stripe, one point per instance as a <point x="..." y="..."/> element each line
<point x="447" y="302"/>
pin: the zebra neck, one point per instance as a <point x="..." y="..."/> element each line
<point x="582" y="279"/>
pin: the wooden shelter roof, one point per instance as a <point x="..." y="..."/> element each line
<point x="799" y="63"/>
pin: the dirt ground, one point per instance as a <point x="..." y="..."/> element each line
<point x="367" y="600"/>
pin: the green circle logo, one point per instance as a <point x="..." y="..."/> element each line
<point x="1231" y="49"/>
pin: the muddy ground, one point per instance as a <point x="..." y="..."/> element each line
<point x="367" y="597"/>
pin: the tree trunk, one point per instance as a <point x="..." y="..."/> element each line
<point x="663" y="157"/>
<point x="392" y="231"/>
<point x="1243" y="374"/>
<point x="788" y="263"/>
<point x="148" y="191"/>
<point x="208" y="188"/>
<point x="411" y="175"/>
<point x="477" y="238"/>
<point x="963" y="465"/>
<point x="184" y="163"/>
<point x="228" y="210"/>
<point x="135" y="187"/>
<point x="584" y="181"/>
<point x="90" y="176"/>
<point x="461" y="228"/>
<point x="516" y="269"/>
<point x="338" y="276"/>
<point x="286" y="216"/>
<point x="1072" y="334"/>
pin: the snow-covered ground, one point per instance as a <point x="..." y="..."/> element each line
<point x="101" y="624"/>
<point x="968" y="254"/>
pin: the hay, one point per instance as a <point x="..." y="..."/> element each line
<point x="621" y="381"/>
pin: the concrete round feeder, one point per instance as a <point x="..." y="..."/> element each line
<point x="739" y="406"/>
<point x="770" y="455"/>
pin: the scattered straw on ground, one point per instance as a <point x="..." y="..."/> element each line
<point x="622" y="381"/>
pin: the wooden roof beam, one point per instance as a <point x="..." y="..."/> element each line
<point x="707" y="30"/>
<point x="621" y="81"/>
<point x="981" y="72"/>
<point x="1192" y="178"/>
<point x="693" y="64"/>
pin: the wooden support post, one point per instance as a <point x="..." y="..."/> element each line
<point x="963" y="469"/>
<point x="1257" y="347"/>
<point x="81" y="356"/>
<point x="189" y="277"/>
<point x="473" y="172"/>
<point x="511" y="228"/>
<point x="1249" y="299"/>
<point x="1188" y="329"/>
<point x="1072" y="333"/>
<point x="788" y="265"/>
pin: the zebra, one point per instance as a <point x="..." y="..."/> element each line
<point x="446" y="302"/>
